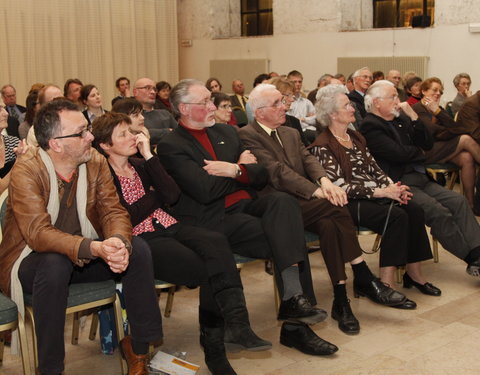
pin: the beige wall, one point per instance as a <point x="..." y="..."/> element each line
<point x="315" y="47"/>
<point x="94" y="40"/>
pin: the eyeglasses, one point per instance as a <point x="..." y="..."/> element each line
<point x="148" y="88"/>
<point x="392" y="98"/>
<point x="204" y="103"/>
<point x="366" y="77"/>
<point x="348" y="105"/>
<point x="276" y="104"/>
<point x="225" y="106"/>
<point x="81" y="134"/>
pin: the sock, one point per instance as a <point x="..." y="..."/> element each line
<point x="291" y="282"/>
<point x="340" y="293"/>
<point x="139" y="348"/>
<point x="362" y="273"/>
<point x="473" y="255"/>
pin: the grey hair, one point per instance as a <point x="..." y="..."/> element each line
<point x="325" y="78"/>
<point x="357" y="72"/>
<point x="326" y="103"/>
<point x="256" y="98"/>
<point x="376" y="90"/>
<point x="180" y="93"/>
<point x="459" y="76"/>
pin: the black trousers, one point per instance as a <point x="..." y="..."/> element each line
<point x="270" y="227"/>
<point x="405" y="239"/>
<point x="47" y="275"/>
<point x="191" y="256"/>
<point x="335" y="229"/>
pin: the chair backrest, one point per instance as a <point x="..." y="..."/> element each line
<point x="3" y="211"/>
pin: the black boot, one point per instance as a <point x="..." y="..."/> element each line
<point x="238" y="333"/>
<point x="211" y="339"/>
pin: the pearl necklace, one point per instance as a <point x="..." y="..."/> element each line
<point x="343" y="139"/>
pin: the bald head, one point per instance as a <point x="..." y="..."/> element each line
<point x="394" y="77"/>
<point x="144" y="91"/>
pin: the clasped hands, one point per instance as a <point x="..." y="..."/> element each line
<point x="334" y="194"/>
<point x="397" y="191"/>
<point x="113" y="252"/>
<point x="226" y="169"/>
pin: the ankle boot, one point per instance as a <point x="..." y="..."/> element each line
<point x="211" y="339"/>
<point x="238" y="333"/>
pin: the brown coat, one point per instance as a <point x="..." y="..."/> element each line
<point x="469" y="116"/>
<point x="28" y="222"/>
<point x="292" y="169"/>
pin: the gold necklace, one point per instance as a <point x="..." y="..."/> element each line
<point x="343" y="139"/>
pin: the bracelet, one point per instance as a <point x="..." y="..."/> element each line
<point x="238" y="171"/>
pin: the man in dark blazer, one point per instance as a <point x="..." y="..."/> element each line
<point x="219" y="180"/>
<point x="239" y="102"/>
<point x="362" y="79"/>
<point x="15" y="111"/>
<point x="292" y="169"/>
<point x="397" y="139"/>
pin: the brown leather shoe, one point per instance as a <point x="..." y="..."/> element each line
<point x="137" y="364"/>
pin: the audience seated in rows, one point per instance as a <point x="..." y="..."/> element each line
<point x="374" y="200"/>
<point x="293" y="170"/>
<point x="219" y="181"/>
<point x="398" y="139"/>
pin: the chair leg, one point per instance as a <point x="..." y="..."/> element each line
<point x="453" y="179"/>
<point x="24" y="346"/>
<point x="169" y="305"/>
<point x="29" y="313"/>
<point x="275" y="290"/>
<point x="119" y="324"/>
<point x="378" y="238"/>
<point x="435" y="249"/>
<point x="94" y="326"/>
<point x="399" y="273"/>
<point x="75" y="328"/>
<point x="2" y="346"/>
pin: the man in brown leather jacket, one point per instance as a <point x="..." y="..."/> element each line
<point x="75" y="232"/>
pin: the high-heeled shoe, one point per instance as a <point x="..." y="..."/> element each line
<point x="426" y="288"/>
<point x="379" y="292"/>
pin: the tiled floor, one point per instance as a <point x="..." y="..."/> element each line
<point x="439" y="337"/>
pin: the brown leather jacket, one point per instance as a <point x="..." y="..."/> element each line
<point x="27" y="219"/>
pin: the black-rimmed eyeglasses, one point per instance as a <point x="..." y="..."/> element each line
<point x="81" y="134"/>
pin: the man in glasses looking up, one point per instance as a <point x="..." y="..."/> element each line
<point x="158" y="121"/>
<point x="65" y="225"/>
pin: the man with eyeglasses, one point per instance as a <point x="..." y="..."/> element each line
<point x="292" y="169"/>
<point x="158" y="121"/>
<point x="362" y="79"/>
<point x="219" y="180"/>
<point x="64" y="225"/>
<point x="397" y="139"/>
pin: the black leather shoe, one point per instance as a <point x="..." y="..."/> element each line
<point x="426" y="288"/>
<point x="343" y="314"/>
<point x="408" y="304"/>
<point x="473" y="268"/>
<point x="298" y="308"/>
<point x="379" y="292"/>
<point x="301" y="337"/>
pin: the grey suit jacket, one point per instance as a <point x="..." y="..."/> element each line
<point x="291" y="168"/>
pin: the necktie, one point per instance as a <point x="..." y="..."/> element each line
<point x="274" y="135"/>
<point x="13" y="113"/>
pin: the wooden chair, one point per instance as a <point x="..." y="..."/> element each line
<point x="10" y="319"/>
<point x="159" y="286"/>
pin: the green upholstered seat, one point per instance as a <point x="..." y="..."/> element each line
<point x="8" y="310"/>
<point x="83" y="293"/>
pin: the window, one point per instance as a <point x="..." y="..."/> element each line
<point x="257" y="17"/>
<point x="403" y="13"/>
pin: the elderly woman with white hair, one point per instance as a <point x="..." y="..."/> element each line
<point x="374" y="200"/>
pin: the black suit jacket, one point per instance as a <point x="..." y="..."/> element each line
<point x="12" y="126"/>
<point x="202" y="201"/>
<point x="359" y="101"/>
<point x="396" y="152"/>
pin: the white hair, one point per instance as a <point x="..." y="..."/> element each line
<point x="257" y="98"/>
<point x="376" y="90"/>
<point x="326" y="103"/>
<point x="357" y="72"/>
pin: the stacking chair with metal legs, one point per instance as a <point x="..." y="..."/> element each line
<point x="84" y="296"/>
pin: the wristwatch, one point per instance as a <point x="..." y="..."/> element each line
<point x="238" y="171"/>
